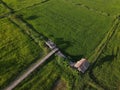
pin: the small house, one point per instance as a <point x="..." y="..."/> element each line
<point x="82" y="65"/>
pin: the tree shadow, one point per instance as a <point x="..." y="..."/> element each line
<point x="30" y="26"/>
<point x="75" y="58"/>
<point x="45" y="1"/>
<point x="32" y="17"/>
<point x="108" y="58"/>
<point x="62" y="43"/>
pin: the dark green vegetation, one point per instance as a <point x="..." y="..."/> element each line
<point x="81" y="28"/>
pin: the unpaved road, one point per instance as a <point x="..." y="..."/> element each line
<point x="30" y="70"/>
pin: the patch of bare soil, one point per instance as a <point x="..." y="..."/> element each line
<point x="60" y="85"/>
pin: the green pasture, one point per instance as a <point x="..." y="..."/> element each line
<point x="80" y="28"/>
<point x="77" y="31"/>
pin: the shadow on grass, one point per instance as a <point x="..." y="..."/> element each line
<point x="20" y="17"/>
<point x="32" y="17"/>
<point x="108" y="58"/>
<point x="64" y="45"/>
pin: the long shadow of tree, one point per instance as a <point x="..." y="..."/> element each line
<point x="62" y="44"/>
<point x="108" y="58"/>
<point x="32" y="17"/>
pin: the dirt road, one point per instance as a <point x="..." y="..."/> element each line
<point x="30" y="70"/>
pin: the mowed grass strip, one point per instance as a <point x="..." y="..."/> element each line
<point x="107" y="69"/>
<point x="77" y="31"/>
<point x="17" y="52"/>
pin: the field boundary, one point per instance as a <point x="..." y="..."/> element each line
<point x="94" y="10"/>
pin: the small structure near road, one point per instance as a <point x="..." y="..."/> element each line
<point x="59" y="53"/>
<point x="81" y="65"/>
<point x="52" y="46"/>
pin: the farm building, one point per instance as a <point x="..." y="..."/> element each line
<point x="82" y="65"/>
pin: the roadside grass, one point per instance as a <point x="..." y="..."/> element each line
<point x="43" y="78"/>
<point x="77" y="31"/>
<point x="17" y="52"/>
<point x="107" y="69"/>
<point x="111" y="7"/>
<point x="20" y="4"/>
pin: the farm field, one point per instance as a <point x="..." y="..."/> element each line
<point x="71" y="28"/>
<point x="17" y="51"/>
<point x="79" y="28"/>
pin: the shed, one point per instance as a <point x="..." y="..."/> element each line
<point x="82" y="65"/>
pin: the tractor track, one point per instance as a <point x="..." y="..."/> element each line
<point x="99" y="50"/>
<point x="94" y="10"/>
<point x="12" y="11"/>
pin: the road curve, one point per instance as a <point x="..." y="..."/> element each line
<point x="30" y="70"/>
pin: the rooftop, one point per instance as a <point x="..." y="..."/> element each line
<point x="82" y="65"/>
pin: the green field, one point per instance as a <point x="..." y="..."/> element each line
<point x="17" y="51"/>
<point x="80" y="28"/>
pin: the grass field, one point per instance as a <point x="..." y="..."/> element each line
<point x="17" y="51"/>
<point x="80" y="28"/>
<point x="77" y="31"/>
